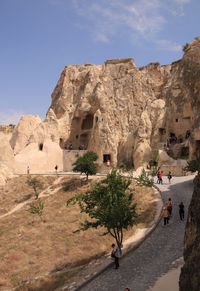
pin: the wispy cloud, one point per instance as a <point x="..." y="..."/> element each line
<point x="10" y="116"/>
<point x="143" y="19"/>
<point x="169" y="45"/>
<point x="177" y="7"/>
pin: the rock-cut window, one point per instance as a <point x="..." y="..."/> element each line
<point x="40" y="146"/>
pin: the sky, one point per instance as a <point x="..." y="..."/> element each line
<point x="38" y="38"/>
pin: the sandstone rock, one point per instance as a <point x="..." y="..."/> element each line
<point x="164" y="158"/>
<point x="142" y="154"/>
<point x="6" y="159"/>
<point x="124" y="113"/>
<point x="22" y="132"/>
<point x="40" y="160"/>
<point x="129" y="111"/>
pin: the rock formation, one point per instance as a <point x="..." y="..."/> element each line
<point x="131" y="112"/>
<point x="190" y="279"/>
<point x="21" y="133"/>
<point x="7" y="163"/>
<point x="128" y="115"/>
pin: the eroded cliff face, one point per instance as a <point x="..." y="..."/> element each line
<point x="112" y="109"/>
<point x="190" y="273"/>
<point x="128" y="115"/>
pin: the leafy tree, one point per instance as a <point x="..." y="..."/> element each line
<point x="109" y="204"/>
<point x="85" y="164"/>
<point x="36" y="185"/>
<point x="144" y="179"/>
<point x="37" y="208"/>
<point x="193" y="166"/>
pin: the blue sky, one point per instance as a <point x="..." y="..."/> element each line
<point x="39" y="37"/>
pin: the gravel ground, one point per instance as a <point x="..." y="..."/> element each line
<point x="140" y="269"/>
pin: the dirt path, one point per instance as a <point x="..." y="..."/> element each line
<point x="46" y="192"/>
<point x="140" y="269"/>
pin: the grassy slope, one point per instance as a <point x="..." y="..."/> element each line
<point x="30" y="248"/>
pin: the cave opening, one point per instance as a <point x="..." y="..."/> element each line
<point x="87" y="122"/>
<point x="185" y="152"/>
<point x="106" y="157"/>
<point x="84" y="140"/>
<point x="40" y="146"/>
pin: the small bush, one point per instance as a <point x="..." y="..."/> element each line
<point x="145" y="180"/>
<point x="193" y="166"/>
<point x="36" y="185"/>
<point x="37" y="208"/>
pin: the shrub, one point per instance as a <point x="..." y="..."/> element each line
<point x="144" y="179"/>
<point x="109" y="204"/>
<point x="85" y="164"/>
<point x="36" y="185"/>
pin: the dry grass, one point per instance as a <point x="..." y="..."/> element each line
<point x="30" y="248"/>
<point x="17" y="190"/>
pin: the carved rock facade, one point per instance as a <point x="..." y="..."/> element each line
<point x="128" y="115"/>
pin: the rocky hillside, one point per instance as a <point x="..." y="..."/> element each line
<point x="131" y="112"/>
<point x="190" y="279"/>
<point x="128" y="115"/>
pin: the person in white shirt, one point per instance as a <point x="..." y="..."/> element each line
<point x="116" y="254"/>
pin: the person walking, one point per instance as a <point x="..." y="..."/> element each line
<point x="169" y="207"/>
<point x="158" y="177"/>
<point x="181" y="211"/>
<point x="56" y="169"/>
<point x="169" y="176"/>
<point x="116" y="254"/>
<point x="165" y="215"/>
<point x="127" y="289"/>
<point x="161" y="177"/>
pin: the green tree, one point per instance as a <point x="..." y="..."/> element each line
<point x="193" y="166"/>
<point x="36" y="185"/>
<point x="37" y="208"/>
<point x="145" y="180"/>
<point x="85" y="164"/>
<point x="109" y="204"/>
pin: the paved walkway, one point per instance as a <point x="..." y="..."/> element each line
<point x="141" y="268"/>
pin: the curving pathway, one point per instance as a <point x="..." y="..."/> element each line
<point x="140" y="268"/>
